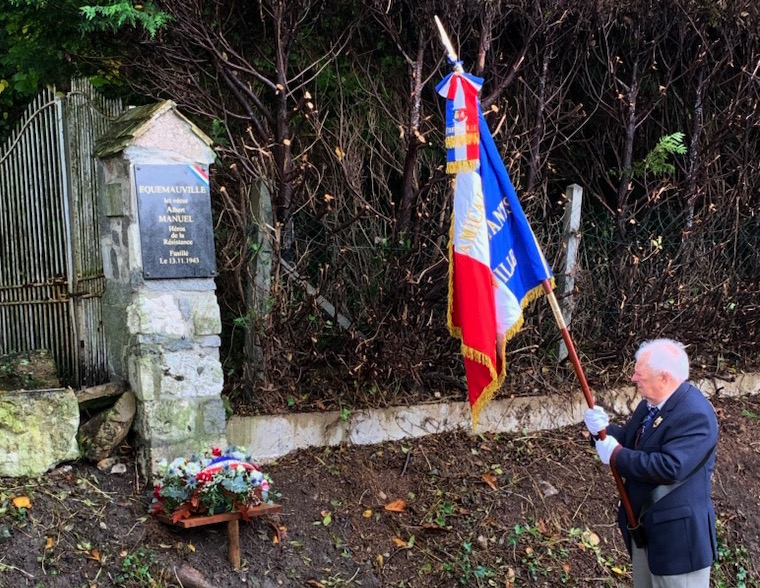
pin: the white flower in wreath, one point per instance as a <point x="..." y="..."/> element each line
<point x="193" y="468"/>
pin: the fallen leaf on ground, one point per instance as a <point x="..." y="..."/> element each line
<point x="590" y="538"/>
<point x="95" y="555"/>
<point x="107" y="463"/>
<point x="22" y="502"/>
<point x="618" y="571"/>
<point x="542" y="528"/>
<point x="490" y="479"/>
<point x="398" y="542"/>
<point x="280" y="531"/>
<point x="396" y="506"/>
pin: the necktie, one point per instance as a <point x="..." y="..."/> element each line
<point x="651" y="413"/>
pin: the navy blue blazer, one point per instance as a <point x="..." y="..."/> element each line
<point x="680" y="527"/>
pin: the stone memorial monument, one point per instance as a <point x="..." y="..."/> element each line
<point x="160" y="313"/>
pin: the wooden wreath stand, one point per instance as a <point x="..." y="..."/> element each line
<point x="233" y="529"/>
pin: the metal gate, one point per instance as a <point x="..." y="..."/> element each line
<point x="51" y="268"/>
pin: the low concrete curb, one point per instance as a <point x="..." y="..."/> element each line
<point x="271" y="436"/>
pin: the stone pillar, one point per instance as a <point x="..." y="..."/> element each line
<point x="160" y="313"/>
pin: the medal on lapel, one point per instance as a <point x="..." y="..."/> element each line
<point x="657" y="422"/>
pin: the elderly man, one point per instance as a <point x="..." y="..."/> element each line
<point x="666" y="453"/>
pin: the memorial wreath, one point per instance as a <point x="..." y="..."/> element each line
<point x="216" y="482"/>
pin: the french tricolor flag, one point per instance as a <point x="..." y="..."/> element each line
<point x="495" y="264"/>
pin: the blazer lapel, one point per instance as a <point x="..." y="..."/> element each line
<point x="635" y="423"/>
<point x="667" y="408"/>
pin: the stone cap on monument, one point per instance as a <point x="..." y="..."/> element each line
<point x="156" y="132"/>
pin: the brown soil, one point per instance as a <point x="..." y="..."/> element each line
<point x="489" y="510"/>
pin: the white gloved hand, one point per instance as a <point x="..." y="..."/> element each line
<point x="605" y="447"/>
<point x="596" y="419"/>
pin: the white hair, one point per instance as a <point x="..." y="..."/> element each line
<point x="665" y="356"/>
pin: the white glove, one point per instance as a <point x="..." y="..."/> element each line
<point x="605" y="447"/>
<point x="596" y="419"/>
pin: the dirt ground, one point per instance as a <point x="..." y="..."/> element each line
<point x="448" y="510"/>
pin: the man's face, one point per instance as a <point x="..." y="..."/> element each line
<point x="648" y="384"/>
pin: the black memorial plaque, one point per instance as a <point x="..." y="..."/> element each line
<point x="176" y="233"/>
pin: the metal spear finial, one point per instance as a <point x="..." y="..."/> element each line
<point x="452" y="55"/>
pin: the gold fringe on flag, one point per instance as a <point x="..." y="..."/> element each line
<point x="454" y="167"/>
<point x="462" y="140"/>
<point x="497" y="379"/>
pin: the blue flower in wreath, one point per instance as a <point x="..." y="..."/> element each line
<point x="236" y="484"/>
<point x="175" y="493"/>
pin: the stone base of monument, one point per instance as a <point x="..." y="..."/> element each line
<point x="233" y="526"/>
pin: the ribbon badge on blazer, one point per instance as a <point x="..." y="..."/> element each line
<point x="657" y="422"/>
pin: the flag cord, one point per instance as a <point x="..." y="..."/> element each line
<point x="626" y="502"/>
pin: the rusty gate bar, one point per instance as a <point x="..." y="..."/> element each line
<point x="89" y="115"/>
<point x="51" y="271"/>
<point x="33" y="311"/>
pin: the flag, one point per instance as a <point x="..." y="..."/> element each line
<point x="495" y="264"/>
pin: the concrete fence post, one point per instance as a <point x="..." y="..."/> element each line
<point x="570" y="241"/>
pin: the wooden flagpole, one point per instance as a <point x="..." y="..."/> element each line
<point x="626" y="502"/>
